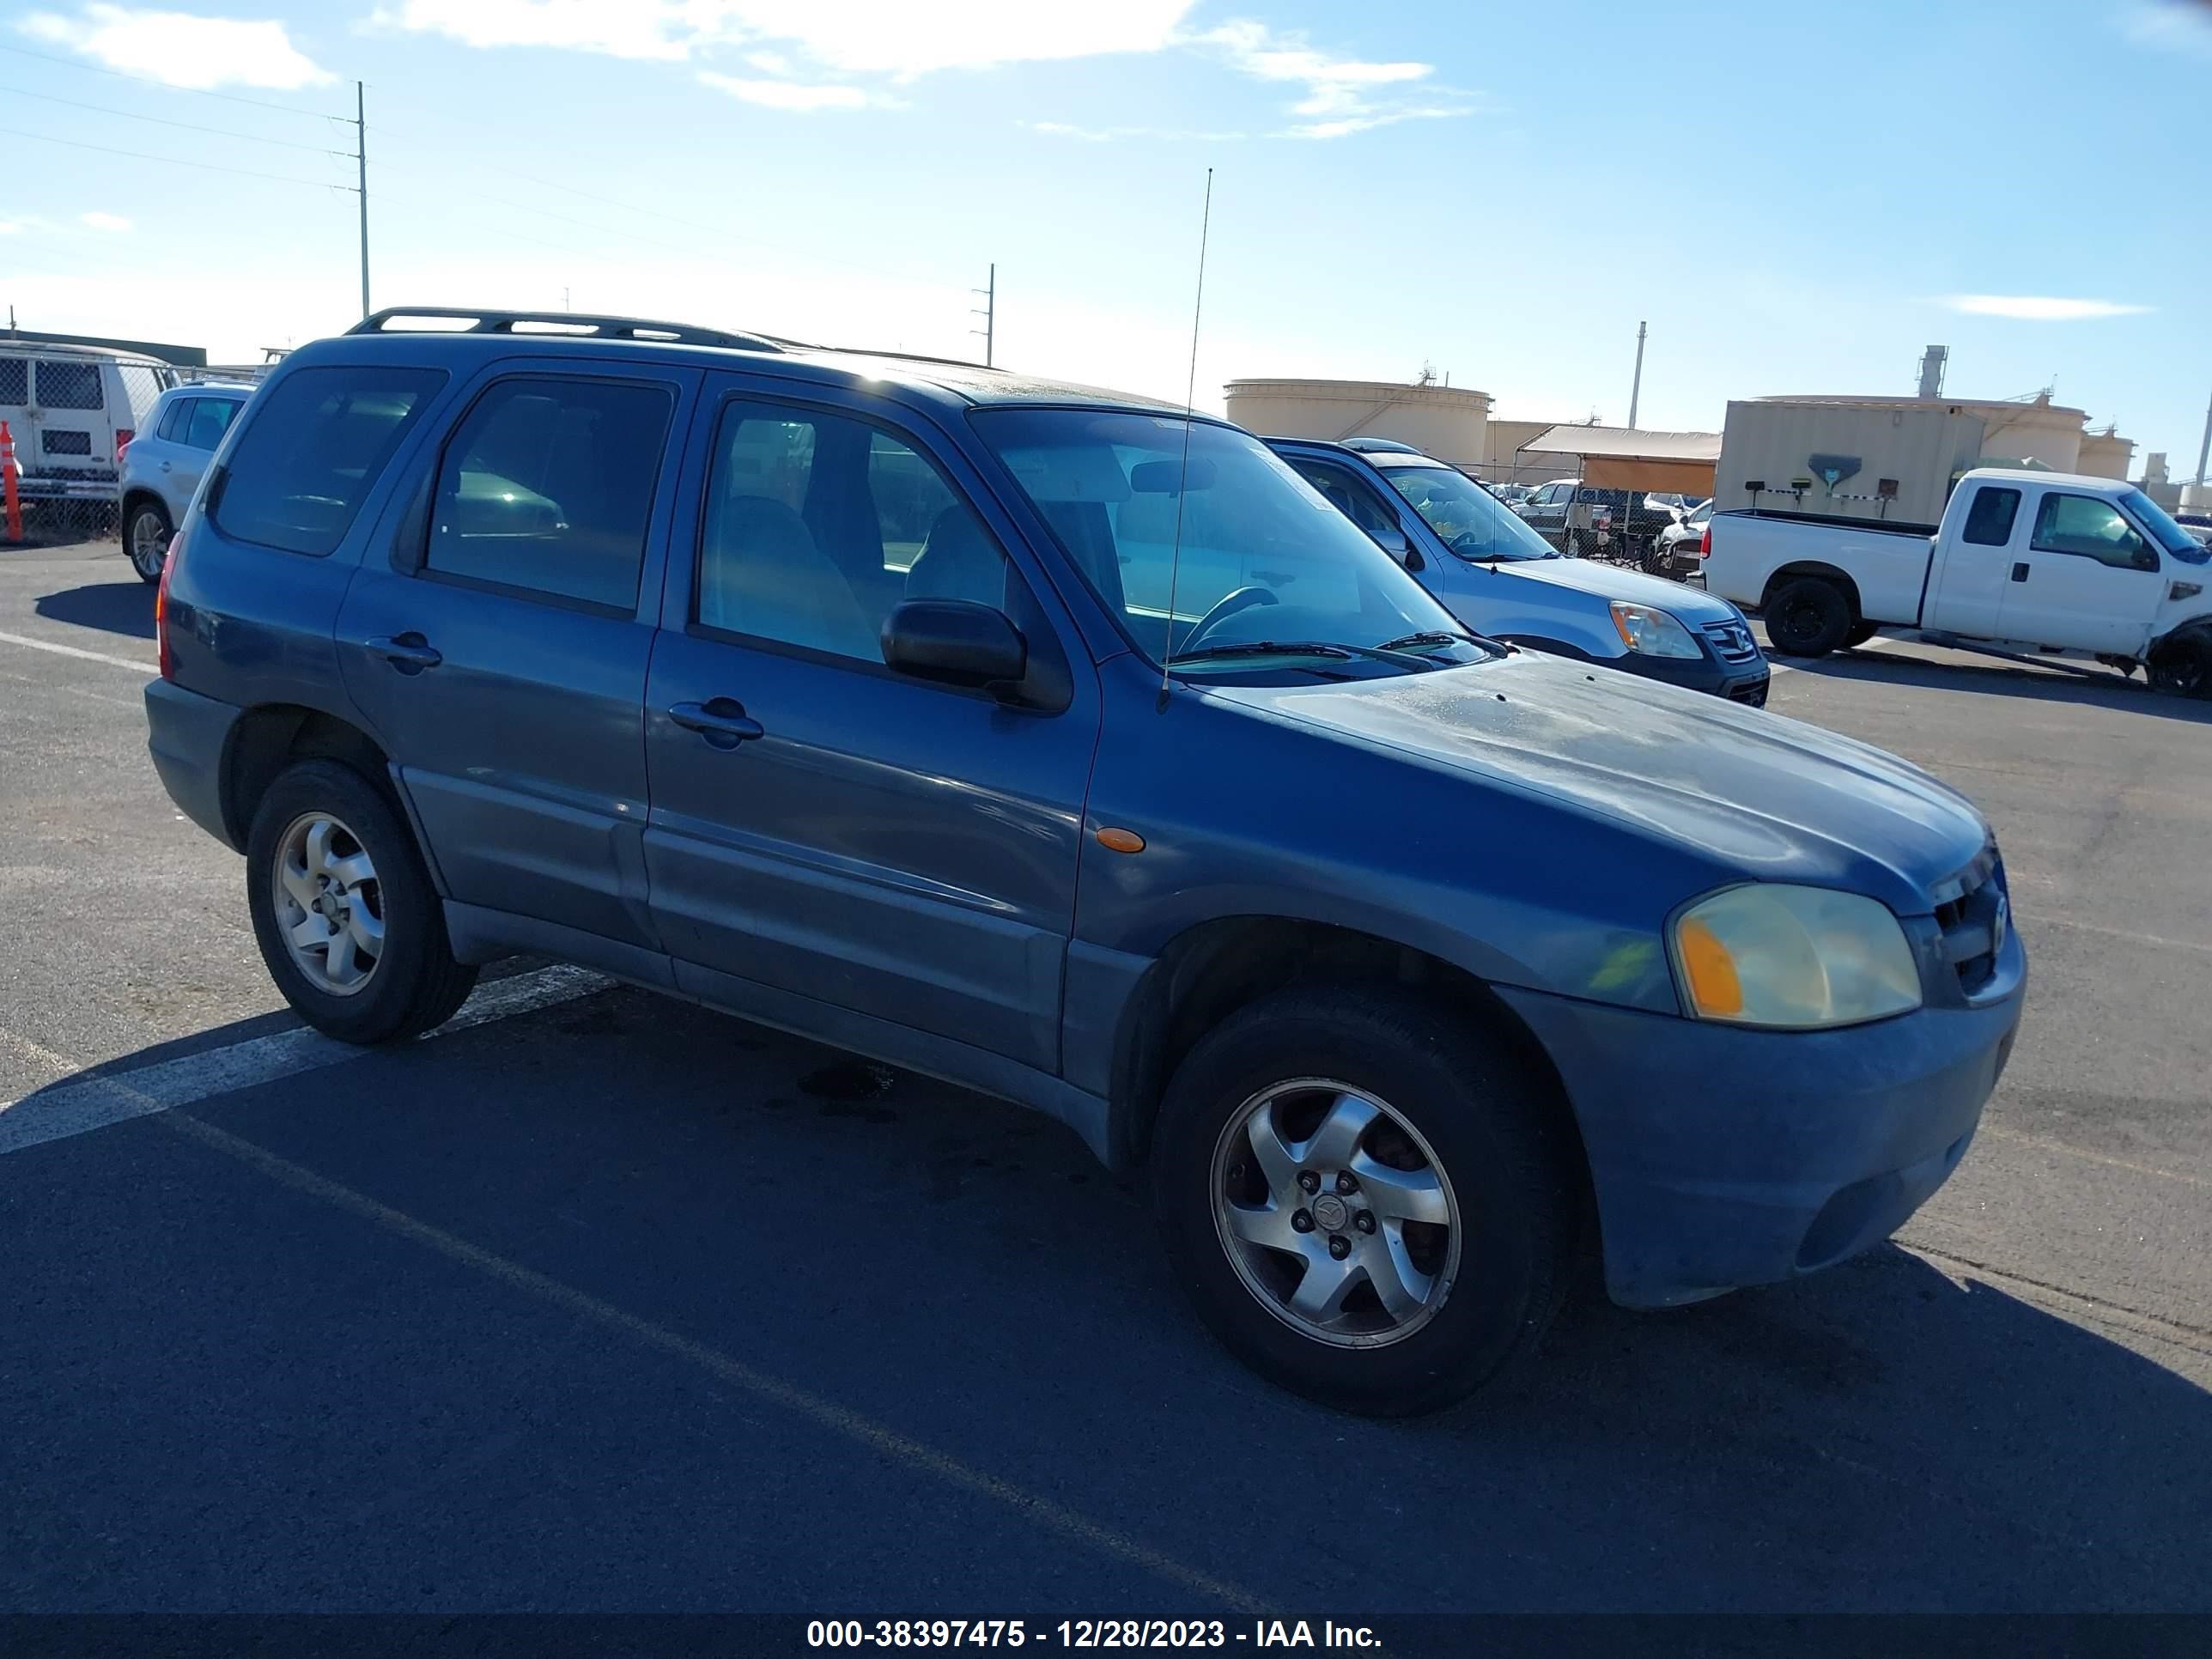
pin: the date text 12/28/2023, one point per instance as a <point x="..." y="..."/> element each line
<point x="1084" y="1633"/>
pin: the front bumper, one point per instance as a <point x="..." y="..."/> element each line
<point x="189" y="737"/>
<point x="1722" y="1157"/>
<point x="1738" y="682"/>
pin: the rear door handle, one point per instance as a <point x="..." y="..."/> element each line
<point x="411" y="653"/>
<point x="2020" y="571"/>
<point x="723" y="722"/>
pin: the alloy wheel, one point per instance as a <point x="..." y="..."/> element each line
<point x="1335" y="1212"/>
<point x="150" y="543"/>
<point x="329" y="904"/>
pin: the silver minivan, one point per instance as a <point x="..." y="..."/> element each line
<point x="163" y="467"/>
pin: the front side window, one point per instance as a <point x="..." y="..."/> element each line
<point x="1470" y="520"/>
<point x="2088" y="528"/>
<point x="65" y="385"/>
<point x="209" y="420"/>
<point x="547" y="488"/>
<point x="318" y="440"/>
<point x="1213" y="551"/>
<point x="1988" y="520"/>
<point x="817" y="524"/>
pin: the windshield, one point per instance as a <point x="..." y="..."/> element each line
<point x="1265" y="558"/>
<point x="1471" y="521"/>
<point x="2160" y="524"/>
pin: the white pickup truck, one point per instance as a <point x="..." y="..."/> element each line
<point x="2024" y="563"/>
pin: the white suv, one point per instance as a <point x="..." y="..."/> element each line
<point x="162" y="466"/>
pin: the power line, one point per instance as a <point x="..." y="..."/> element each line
<point x="167" y="85"/>
<point x="189" y="126"/>
<point x="532" y="207"/>
<point x="547" y="184"/>
<point x="174" y="162"/>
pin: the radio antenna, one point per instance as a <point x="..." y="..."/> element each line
<point x="1189" y="408"/>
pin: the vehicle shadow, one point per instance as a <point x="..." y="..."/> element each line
<point x="961" y="1273"/>
<point x="116" y="607"/>
<point x="2043" y="685"/>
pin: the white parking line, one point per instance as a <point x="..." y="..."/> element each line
<point x="146" y="668"/>
<point x="80" y="1102"/>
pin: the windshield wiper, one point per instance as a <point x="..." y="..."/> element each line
<point x="1301" y="648"/>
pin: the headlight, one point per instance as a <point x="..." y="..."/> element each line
<point x="1769" y="955"/>
<point x="1652" y="633"/>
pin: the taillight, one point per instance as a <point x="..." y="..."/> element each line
<point x="1706" y="542"/>
<point x="123" y="435"/>
<point x="161" y="607"/>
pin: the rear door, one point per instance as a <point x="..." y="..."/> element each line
<point x="75" y="430"/>
<point x="826" y="833"/>
<point x="190" y="429"/>
<point x="498" y="637"/>
<point x="1968" y="588"/>
<point x="2088" y="579"/>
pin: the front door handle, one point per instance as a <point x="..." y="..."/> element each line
<point x="2020" y="571"/>
<point x="411" y="653"/>
<point x="723" y="722"/>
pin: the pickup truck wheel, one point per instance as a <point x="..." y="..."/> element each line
<point x="1859" y="634"/>
<point x="1807" y="618"/>
<point x="2182" y="666"/>
<point x="1365" y="1204"/>
<point x="146" y="540"/>
<point x="343" y="910"/>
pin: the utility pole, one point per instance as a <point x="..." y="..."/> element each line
<point x="360" y="159"/>
<point x="989" y="311"/>
<point x="1636" y="389"/>
<point x="2203" y="450"/>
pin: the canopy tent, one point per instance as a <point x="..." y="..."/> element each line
<point x="1627" y="458"/>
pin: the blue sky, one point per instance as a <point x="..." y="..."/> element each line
<point x="1796" y="196"/>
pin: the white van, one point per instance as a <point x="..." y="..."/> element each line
<point x="71" y="410"/>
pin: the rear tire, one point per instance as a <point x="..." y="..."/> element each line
<point x="1440" y="1101"/>
<point x="146" y="533"/>
<point x="1859" y="635"/>
<point x="1807" y="618"/>
<point x="404" y="984"/>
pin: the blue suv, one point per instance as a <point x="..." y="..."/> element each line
<point x="1062" y="745"/>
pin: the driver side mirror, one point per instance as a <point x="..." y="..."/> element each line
<point x="957" y="642"/>
<point x="1393" y="540"/>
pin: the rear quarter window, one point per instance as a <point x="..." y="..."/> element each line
<point x="316" y="444"/>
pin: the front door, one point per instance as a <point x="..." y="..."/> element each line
<point x="498" y="637"/>
<point x="820" y="825"/>
<point x="1969" y="591"/>
<point x="2088" y="579"/>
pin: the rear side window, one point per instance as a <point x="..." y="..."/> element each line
<point x="15" y="380"/>
<point x="547" y="489"/>
<point x="210" y="419"/>
<point x="69" y="385"/>
<point x="1988" y="520"/>
<point x="173" y="419"/>
<point x="320" y="438"/>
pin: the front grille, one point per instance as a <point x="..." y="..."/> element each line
<point x="1751" y="691"/>
<point x="1733" y="641"/>
<point x="1974" y="921"/>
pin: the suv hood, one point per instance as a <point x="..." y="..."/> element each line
<point x="1772" y="798"/>
<point x="1610" y="581"/>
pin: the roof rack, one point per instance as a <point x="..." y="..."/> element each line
<point x="558" y="324"/>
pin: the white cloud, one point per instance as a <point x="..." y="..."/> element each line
<point x="180" y="48"/>
<point x="769" y="62"/>
<point x="100" y="221"/>
<point x="2170" y="26"/>
<point x="2038" y="308"/>
<point x="1341" y="95"/>
<point x="1108" y="134"/>
<point x="790" y="95"/>
<point x="619" y="28"/>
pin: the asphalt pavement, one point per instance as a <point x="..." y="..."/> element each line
<point x="599" y="1302"/>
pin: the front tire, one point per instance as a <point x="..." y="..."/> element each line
<point x="348" y="922"/>
<point x="146" y="534"/>
<point x="2182" y="666"/>
<point x="1807" y="618"/>
<point x="1440" y="1212"/>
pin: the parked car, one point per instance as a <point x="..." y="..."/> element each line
<point x="1584" y="521"/>
<point x="162" y="467"/>
<point x="2029" y="560"/>
<point x="1512" y="495"/>
<point x="1058" y="744"/>
<point x="1379" y="447"/>
<point x="71" y="410"/>
<point x="1679" y="550"/>
<point x="1498" y="576"/>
